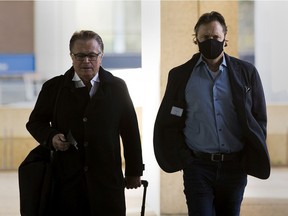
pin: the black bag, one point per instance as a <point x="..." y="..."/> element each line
<point x="36" y="182"/>
<point x="35" y="176"/>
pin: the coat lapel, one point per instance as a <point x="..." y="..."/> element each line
<point x="237" y="85"/>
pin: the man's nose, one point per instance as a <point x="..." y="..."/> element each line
<point x="86" y="59"/>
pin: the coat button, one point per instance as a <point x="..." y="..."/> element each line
<point x="86" y="144"/>
<point x="85" y="119"/>
<point x="85" y="168"/>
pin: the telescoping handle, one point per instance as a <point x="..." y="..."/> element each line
<point x="145" y="185"/>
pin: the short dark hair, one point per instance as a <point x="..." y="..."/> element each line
<point x="86" y="35"/>
<point x="210" y="17"/>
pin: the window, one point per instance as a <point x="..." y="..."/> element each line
<point x="246" y="31"/>
<point x="119" y="24"/>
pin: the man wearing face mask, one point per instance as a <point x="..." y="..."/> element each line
<point x="212" y="124"/>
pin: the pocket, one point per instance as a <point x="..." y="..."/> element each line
<point x="172" y="114"/>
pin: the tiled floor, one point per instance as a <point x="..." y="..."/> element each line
<point x="267" y="197"/>
<point x="274" y="187"/>
<point x="262" y="197"/>
<point x="9" y="200"/>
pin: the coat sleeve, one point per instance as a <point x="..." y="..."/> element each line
<point x="40" y="120"/>
<point x="253" y="118"/>
<point x="171" y="152"/>
<point x="259" y="104"/>
<point x="129" y="131"/>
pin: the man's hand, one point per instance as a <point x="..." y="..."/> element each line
<point x="60" y="143"/>
<point x="132" y="182"/>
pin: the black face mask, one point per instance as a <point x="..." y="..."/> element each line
<point x="211" y="48"/>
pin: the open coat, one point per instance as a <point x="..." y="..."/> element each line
<point x="93" y="173"/>
<point x="172" y="153"/>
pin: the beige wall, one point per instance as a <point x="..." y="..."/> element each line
<point x="15" y="142"/>
<point x="277" y="138"/>
<point x="17" y="26"/>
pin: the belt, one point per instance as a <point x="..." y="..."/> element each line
<point x="217" y="157"/>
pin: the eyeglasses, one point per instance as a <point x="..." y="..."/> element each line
<point x="82" y="56"/>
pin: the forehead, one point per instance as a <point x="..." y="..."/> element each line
<point x="211" y="28"/>
<point x="86" y="45"/>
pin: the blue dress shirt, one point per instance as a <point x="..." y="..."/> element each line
<point x="212" y="125"/>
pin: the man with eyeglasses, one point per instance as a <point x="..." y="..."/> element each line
<point x="81" y="116"/>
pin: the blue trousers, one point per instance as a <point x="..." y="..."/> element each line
<point x="214" y="188"/>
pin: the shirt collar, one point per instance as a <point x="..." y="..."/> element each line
<point x="79" y="83"/>
<point x="200" y="60"/>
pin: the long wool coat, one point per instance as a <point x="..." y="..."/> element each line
<point x="89" y="180"/>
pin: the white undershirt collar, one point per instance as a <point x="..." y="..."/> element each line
<point x="79" y="83"/>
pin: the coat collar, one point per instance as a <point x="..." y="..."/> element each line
<point x="234" y="72"/>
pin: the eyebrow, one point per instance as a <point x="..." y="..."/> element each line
<point x="90" y="53"/>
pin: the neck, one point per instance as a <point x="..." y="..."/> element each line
<point x="214" y="64"/>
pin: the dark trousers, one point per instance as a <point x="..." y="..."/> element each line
<point x="214" y="188"/>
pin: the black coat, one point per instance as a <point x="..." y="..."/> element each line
<point x="93" y="173"/>
<point x="170" y="149"/>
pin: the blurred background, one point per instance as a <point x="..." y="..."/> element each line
<point x="143" y="40"/>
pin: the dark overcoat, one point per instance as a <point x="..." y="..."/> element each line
<point x="172" y="153"/>
<point x="91" y="174"/>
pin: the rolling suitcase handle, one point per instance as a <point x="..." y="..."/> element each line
<point x="145" y="185"/>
